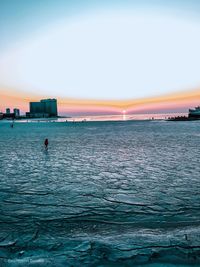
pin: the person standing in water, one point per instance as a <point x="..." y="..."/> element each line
<point x="46" y="143"/>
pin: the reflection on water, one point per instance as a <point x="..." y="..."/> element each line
<point x="123" y="117"/>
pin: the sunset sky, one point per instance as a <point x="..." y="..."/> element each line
<point x="100" y="56"/>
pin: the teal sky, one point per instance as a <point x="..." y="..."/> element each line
<point x="100" y="49"/>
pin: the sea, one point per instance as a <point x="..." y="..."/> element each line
<point x="105" y="193"/>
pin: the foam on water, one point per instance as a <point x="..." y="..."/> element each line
<point x="104" y="194"/>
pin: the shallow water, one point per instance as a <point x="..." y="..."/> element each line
<point x="104" y="194"/>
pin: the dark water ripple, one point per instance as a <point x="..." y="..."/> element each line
<point x="105" y="194"/>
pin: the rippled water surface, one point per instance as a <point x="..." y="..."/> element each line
<point x="104" y="194"/>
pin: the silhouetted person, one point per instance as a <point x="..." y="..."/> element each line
<point x="46" y="142"/>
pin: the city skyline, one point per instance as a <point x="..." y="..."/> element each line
<point x="180" y="103"/>
<point x="102" y="56"/>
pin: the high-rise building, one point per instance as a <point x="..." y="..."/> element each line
<point x="8" y="114"/>
<point x="36" y="108"/>
<point x="45" y="108"/>
<point x="50" y="107"/>
<point x="8" y="111"/>
<point x="16" y="111"/>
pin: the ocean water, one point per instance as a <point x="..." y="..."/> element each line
<point x="104" y="194"/>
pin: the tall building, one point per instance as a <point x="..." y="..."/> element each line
<point x="8" y="111"/>
<point x="36" y="108"/>
<point x="43" y="109"/>
<point x="8" y="114"/>
<point x="50" y="107"/>
<point x="16" y="111"/>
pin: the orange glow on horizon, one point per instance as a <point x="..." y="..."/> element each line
<point x="171" y="102"/>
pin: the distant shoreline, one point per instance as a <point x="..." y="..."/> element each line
<point x="87" y="118"/>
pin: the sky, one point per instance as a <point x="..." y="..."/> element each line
<point x="100" y="56"/>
